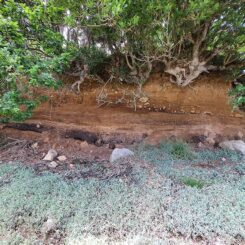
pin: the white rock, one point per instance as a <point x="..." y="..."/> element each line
<point x="53" y="164"/>
<point x="34" y="145"/>
<point x="200" y="145"/>
<point x="48" y="226"/>
<point x="210" y="141"/>
<point x="144" y="99"/>
<point x="84" y="144"/>
<point x="240" y="135"/>
<point x="62" y="158"/>
<point x="51" y="155"/>
<point x="120" y="153"/>
<point x="234" y="145"/>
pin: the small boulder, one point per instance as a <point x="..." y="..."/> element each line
<point x="84" y="144"/>
<point x="210" y="141"/>
<point x="34" y="145"/>
<point x="234" y="145"/>
<point x="200" y="145"/>
<point x="48" y="226"/>
<point x="144" y="99"/>
<point x="240" y="135"/>
<point x="53" y="164"/>
<point x="62" y="158"/>
<point x="51" y="155"/>
<point x="120" y="153"/>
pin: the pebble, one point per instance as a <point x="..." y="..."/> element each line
<point x="53" y="164"/>
<point x="62" y="158"/>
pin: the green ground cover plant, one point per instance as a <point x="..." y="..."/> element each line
<point x="193" y="182"/>
<point x="165" y="199"/>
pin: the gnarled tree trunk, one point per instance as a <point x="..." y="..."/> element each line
<point x="186" y="75"/>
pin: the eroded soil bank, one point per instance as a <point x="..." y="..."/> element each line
<point x="163" y="111"/>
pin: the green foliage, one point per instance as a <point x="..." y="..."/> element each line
<point x="208" y="212"/>
<point x="91" y="56"/>
<point x="27" y="47"/>
<point x="81" y="208"/>
<point x="181" y="150"/>
<point x="193" y="182"/>
<point x="127" y="210"/>
<point x="238" y="95"/>
<point x="202" y="167"/>
<point x="10" y="106"/>
<point x="33" y="49"/>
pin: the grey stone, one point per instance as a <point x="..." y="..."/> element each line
<point x="51" y="155"/>
<point x="234" y="145"/>
<point x="49" y="226"/>
<point x="120" y="153"/>
<point x="62" y="158"/>
<point x="53" y="164"/>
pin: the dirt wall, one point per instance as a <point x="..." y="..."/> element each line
<point x="163" y="111"/>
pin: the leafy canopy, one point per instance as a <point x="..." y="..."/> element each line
<point x="41" y="39"/>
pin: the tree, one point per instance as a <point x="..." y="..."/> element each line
<point x="189" y="37"/>
<point x="30" y="52"/>
<point x="40" y="39"/>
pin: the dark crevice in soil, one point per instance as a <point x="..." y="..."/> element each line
<point x="28" y="127"/>
<point x="89" y="137"/>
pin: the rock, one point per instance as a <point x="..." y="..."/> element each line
<point x="51" y="155"/>
<point x="84" y="144"/>
<point x="239" y="135"/>
<point x="48" y="226"/>
<point x="200" y="145"/>
<point x="144" y="99"/>
<point x="234" y="145"/>
<point x="223" y="159"/>
<point x="120" y="153"/>
<point x="210" y="141"/>
<point x="34" y="145"/>
<point x="53" y="164"/>
<point x="62" y="158"/>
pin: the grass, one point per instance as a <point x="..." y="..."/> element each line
<point x="167" y="202"/>
<point x="193" y="182"/>
<point x="181" y="150"/>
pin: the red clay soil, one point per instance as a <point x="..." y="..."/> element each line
<point x="200" y="109"/>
